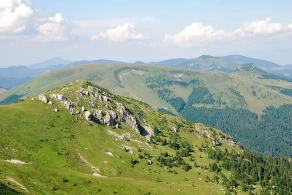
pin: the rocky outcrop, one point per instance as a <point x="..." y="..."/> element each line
<point x="59" y="97"/>
<point x="132" y="122"/>
<point x="43" y="98"/>
<point x="102" y="107"/>
<point x="88" y="116"/>
<point x="95" y="94"/>
<point x="108" y="120"/>
<point x="129" y="119"/>
<point x="71" y="106"/>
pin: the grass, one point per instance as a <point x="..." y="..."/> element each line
<point x="50" y="143"/>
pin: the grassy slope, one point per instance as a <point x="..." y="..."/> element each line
<point x="50" y="144"/>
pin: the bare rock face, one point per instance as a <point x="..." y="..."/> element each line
<point x="122" y="110"/>
<point x="88" y="115"/>
<point x="113" y="114"/>
<point x="108" y="119"/>
<point x="60" y="97"/>
<point x="43" y="98"/>
<point x="95" y="94"/>
<point x="148" y="131"/>
<point x="69" y="105"/>
<point x="132" y="122"/>
<point x="99" y="116"/>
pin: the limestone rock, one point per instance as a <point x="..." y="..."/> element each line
<point x="43" y="98"/>
<point x="88" y="115"/>
<point x="99" y="115"/>
<point x="132" y="122"/>
<point x="69" y="106"/>
<point x="108" y="119"/>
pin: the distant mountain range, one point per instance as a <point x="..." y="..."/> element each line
<point x="226" y="64"/>
<point x="17" y="75"/>
<point x="14" y="76"/>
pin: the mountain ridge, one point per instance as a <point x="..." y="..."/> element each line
<point x="76" y="141"/>
<point x="20" y="74"/>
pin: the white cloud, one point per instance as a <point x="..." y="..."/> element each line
<point x="52" y="29"/>
<point x="196" y="32"/>
<point x="13" y="15"/>
<point x="260" y="27"/>
<point x="120" y="33"/>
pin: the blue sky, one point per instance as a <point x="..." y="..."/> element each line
<point x="35" y="30"/>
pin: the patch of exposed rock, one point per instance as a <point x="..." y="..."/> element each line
<point x="71" y="106"/>
<point x="43" y="98"/>
<point x="108" y="117"/>
<point x="102" y="108"/>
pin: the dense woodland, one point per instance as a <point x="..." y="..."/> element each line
<point x="270" y="134"/>
<point x="249" y="170"/>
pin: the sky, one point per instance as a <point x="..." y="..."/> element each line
<point x="134" y="30"/>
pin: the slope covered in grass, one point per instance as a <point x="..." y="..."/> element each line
<point x="59" y="143"/>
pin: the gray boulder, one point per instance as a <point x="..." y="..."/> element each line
<point x="43" y="98"/>
<point x="108" y="119"/>
<point x="88" y="115"/>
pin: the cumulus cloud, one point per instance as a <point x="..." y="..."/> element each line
<point x="120" y="33"/>
<point x="197" y="32"/>
<point x="13" y="15"/>
<point x="193" y="33"/>
<point x="258" y="27"/>
<point x="51" y="28"/>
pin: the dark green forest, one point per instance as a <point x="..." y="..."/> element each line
<point x="273" y="174"/>
<point x="11" y="99"/>
<point x="270" y="133"/>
